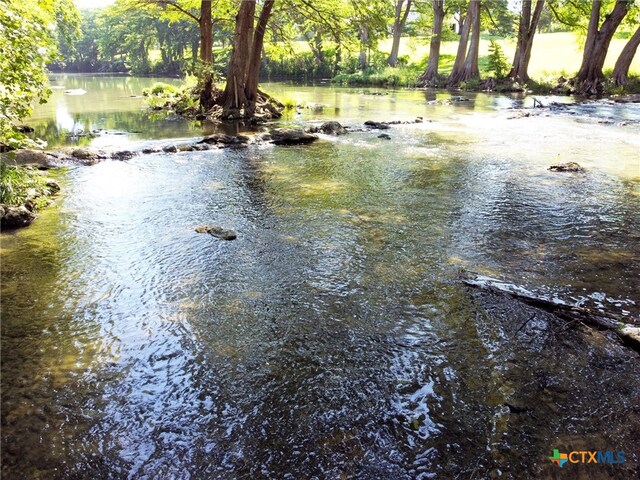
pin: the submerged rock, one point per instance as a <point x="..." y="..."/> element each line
<point x="384" y="136"/>
<point x="123" y="155"/>
<point x="405" y="122"/>
<point x="52" y="185"/>
<point x="633" y="98"/>
<point x="378" y="125"/>
<point x="289" y="136"/>
<point x="15" y="217"/>
<point x="316" y="107"/>
<point x="217" y="232"/>
<point x="566" y="167"/>
<point x="332" y="128"/>
<point x="88" y="156"/>
<point x="199" y="147"/>
<point x="225" y="139"/>
<point x="170" y="149"/>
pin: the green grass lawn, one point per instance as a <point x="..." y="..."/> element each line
<point x="553" y="54"/>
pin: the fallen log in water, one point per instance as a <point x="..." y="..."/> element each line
<point x="604" y="320"/>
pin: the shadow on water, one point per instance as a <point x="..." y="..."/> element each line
<point x="332" y="339"/>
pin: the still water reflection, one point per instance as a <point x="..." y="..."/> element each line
<point x="332" y="339"/>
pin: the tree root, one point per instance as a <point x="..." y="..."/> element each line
<point x="267" y="108"/>
<point x="629" y="334"/>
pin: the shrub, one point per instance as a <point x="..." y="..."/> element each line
<point x="17" y="183"/>
<point x="497" y="60"/>
<point x="472" y="84"/>
<point x="289" y="104"/>
<point x="160" y="89"/>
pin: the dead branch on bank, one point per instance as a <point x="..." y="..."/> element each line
<point x="603" y="320"/>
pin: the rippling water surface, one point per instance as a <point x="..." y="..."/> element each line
<point x="332" y="339"/>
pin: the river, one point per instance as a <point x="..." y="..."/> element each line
<point x="333" y="339"/>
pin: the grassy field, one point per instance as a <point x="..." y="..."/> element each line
<point x="553" y="54"/>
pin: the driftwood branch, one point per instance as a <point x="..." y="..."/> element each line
<point x="603" y="320"/>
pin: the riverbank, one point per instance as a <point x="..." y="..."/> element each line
<point x="24" y="190"/>
<point x="408" y="77"/>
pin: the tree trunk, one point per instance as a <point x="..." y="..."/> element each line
<point x="316" y="47"/>
<point x="461" y="54"/>
<point x="526" y="32"/>
<point x="234" y="96"/>
<point x="253" y="72"/>
<point x="460" y="28"/>
<point x="241" y="92"/>
<point x="364" y="39"/>
<point x="398" y="26"/>
<point x="590" y="76"/>
<point x="206" y="54"/>
<point x="621" y="70"/>
<point x="430" y="75"/>
<point x="206" y="33"/>
<point x="471" y="69"/>
<point x="337" y="59"/>
<point x="458" y="67"/>
<point x="194" y="52"/>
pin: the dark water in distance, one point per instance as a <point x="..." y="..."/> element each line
<point x="332" y="339"/>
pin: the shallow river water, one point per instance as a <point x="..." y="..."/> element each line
<point x="333" y="339"/>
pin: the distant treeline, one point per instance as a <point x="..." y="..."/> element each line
<point x="338" y="38"/>
<point x="352" y="41"/>
<point x="333" y="37"/>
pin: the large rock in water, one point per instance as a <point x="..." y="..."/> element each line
<point x="566" y="167"/>
<point x="225" y="139"/>
<point x="15" y="217"/>
<point x="87" y="156"/>
<point x="332" y="128"/>
<point x="217" y="232"/>
<point x="377" y="125"/>
<point x="123" y="155"/>
<point x="290" y="136"/>
<point x="27" y="156"/>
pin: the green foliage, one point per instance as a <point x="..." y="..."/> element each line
<point x="540" y="86"/>
<point x="15" y="139"/>
<point x="145" y="37"/>
<point x="29" y="30"/>
<point x="187" y="104"/>
<point x="500" y="19"/>
<point x="301" y="65"/>
<point x="134" y="36"/>
<point x="183" y="100"/>
<point x="289" y="104"/>
<point x="497" y="61"/>
<point x="472" y="84"/>
<point x="160" y="89"/>
<point x="17" y="184"/>
<point x="402" y="76"/>
<point x="26" y="46"/>
<point x="631" y="87"/>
